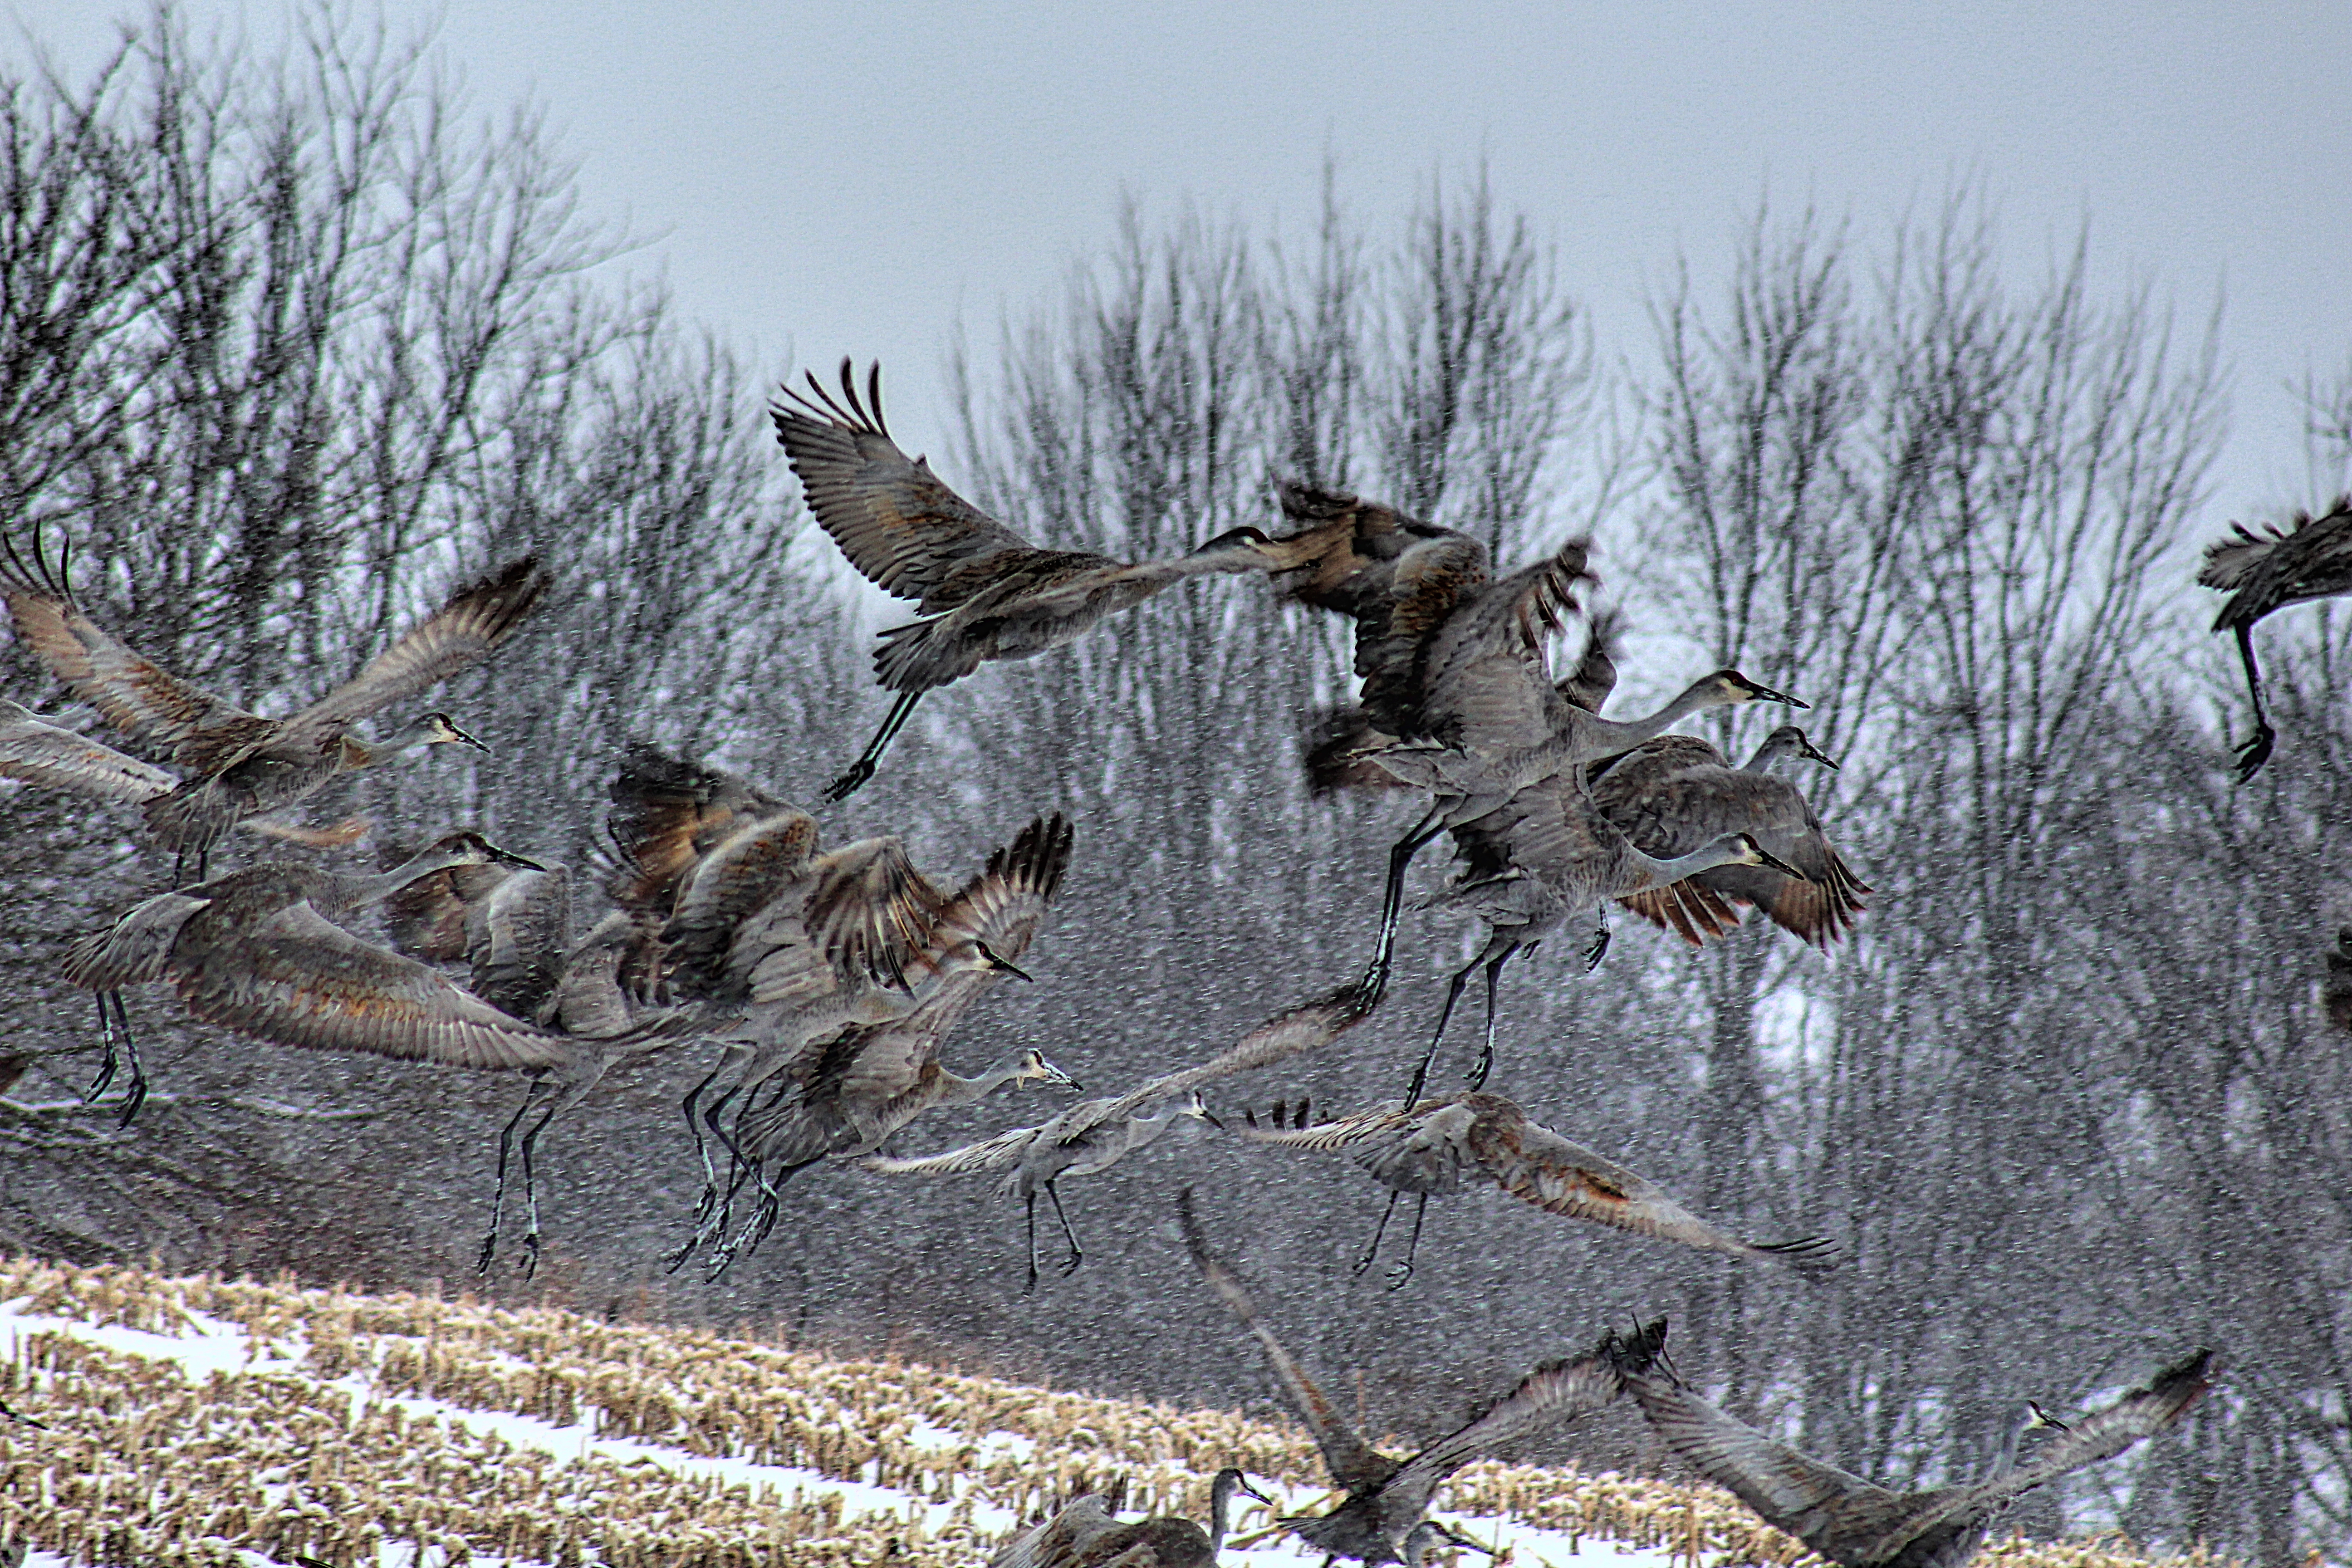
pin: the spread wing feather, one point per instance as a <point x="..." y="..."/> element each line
<point x="1292" y="1031"/>
<point x="475" y="620"/>
<point x="1351" y="1462"/>
<point x="995" y="1153"/>
<point x="899" y="525"/>
<point x="870" y="911"/>
<point x="43" y="754"/>
<point x="300" y="980"/>
<point x="1552" y="1393"/>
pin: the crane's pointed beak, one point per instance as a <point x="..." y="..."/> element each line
<point x="1766" y="694"/>
<point x="1002" y="966"/>
<point x="1813" y="754"/>
<point x="507" y="857"/>
<point x="1248" y="1491"/>
<point x="1766" y="857"/>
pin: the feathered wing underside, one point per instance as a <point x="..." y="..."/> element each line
<point x="1538" y="1166"/>
<point x="870" y="911"/>
<point x="898" y="524"/>
<point x="1005" y="904"/>
<point x="1351" y="1462"/>
<point x="1588" y="686"/>
<point x="1671" y="801"/>
<point x="298" y="979"/>
<point x="1826" y="1507"/>
<point x="136" y="949"/>
<point x="518" y="941"/>
<point x="667" y="812"/>
<point x="137" y="696"/>
<point x="472" y="621"/>
<point x="2138" y="1414"/>
<point x="39" y="753"/>
<point x="1292" y="1031"/>
<point x="1487" y="685"/>
<point x="994" y="1153"/>
<point x="1432" y="582"/>
<point x="1555" y="1393"/>
<point x="760" y="863"/>
<point x="2264" y="569"/>
<point x="1335" y="1137"/>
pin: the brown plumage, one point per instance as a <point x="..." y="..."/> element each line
<point x="1086" y="1534"/>
<point x="35" y="751"/>
<point x="983" y="592"/>
<point x="1387" y="1498"/>
<point x="239" y="764"/>
<point x="1853" y="1522"/>
<point x="257" y="952"/>
<point x="1440" y="1146"/>
<point x="1672" y="795"/>
<point x="847" y="1093"/>
<point x="2269" y="569"/>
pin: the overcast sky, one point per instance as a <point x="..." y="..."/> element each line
<point x="828" y="178"/>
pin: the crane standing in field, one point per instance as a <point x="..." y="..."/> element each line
<point x="984" y="592"/>
<point x="1439" y="1147"/>
<point x="1852" y="1522"/>
<point x="239" y="764"/>
<point x="2268" y="570"/>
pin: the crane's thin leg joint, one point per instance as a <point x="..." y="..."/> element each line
<point x="530" y="1189"/>
<point x="1070" y="1264"/>
<point x="2257" y="751"/>
<point x="861" y="770"/>
<point x="499" y="1198"/>
<point x="1400" y="1273"/>
<point x="1486" y="1052"/>
<point x="1375" y="983"/>
<point x="1454" y="990"/>
<point x="1378" y="1231"/>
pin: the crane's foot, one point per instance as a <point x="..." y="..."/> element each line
<point x="2255" y="753"/>
<point x="489" y="1251"/>
<point x="1400" y="1275"/>
<point x="849" y="783"/>
<point x="1477" y="1079"/>
<point x="530" y="1255"/>
<point x="1596" y="949"/>
<point x="1069" y="1264"/>
<point x="1373" y="986"/>
<point x="134" y="1100"/>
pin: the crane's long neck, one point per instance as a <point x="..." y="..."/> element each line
<point x="1221" y="1499"/>
<point x="956" y="1091"/>
<point x="356" y="892"/>
<point x="407" y="738"/>
<point x="1595" y="737"/>
<point x="1721" y="851"/>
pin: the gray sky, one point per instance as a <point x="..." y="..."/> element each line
<point x="829" y="179"/>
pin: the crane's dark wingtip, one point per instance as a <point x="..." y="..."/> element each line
<point x="1807" y="1254"/>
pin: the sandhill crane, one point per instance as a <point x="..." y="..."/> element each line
<point x="1440" y="1146"/>
<point x="35" y="751"/>
<point x="256" y="952"/>
<point x="1095" y="1134"/>
<point x="1387" y="1498"/>
<point x="1848" y="1520"/>
<point x="239" y="764"/>
<point x="513" y="928"/>
<point x="848" y="1092"/>
<point x="753" y="919"/>
<point x="2335" y="991"/>
<point x="2268" y="570"/>
<point x="984" y="592"/>
<point x="1086" y="1534"/>
<point x="1532" y="857"/>
<point x="1674" y="793"/>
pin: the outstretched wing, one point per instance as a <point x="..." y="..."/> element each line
<point x="666" y="813"/>
<point x="989" y="1154"/>
<point x="899" y="525"/>
<point x="300" y="980"/>
<point x="1330" y="1137"/>
<point x="1537" y="1166"/>
<point x="1292" y="1031"/>
<point x="2141" y="1413"/>
<point x="870" y="911"/>
<point x="43" y="754"/>
<point x="1352" y="1463"/>
<point x="137" y="695"/>
<point x="475" y="619"/>
<point x="1824" y="1507"/>
<point x="1555" y="1393"/>
<point x="1005" y="904"/>
<point x="1487" y="687"/>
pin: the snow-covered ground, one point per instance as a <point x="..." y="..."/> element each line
<point x="211" y="1346"/>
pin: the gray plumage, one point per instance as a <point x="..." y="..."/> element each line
<point x="983" y="593"/>
<point x="1440" y="1146"/>
<point x="236" y="764"/>
<point x="1088" y="1534"/>
<point x="2269" y="569"/>
<point x="1857" y="1524"/>
<point x="1095" y="1134"/>
<point x="1387" y="1498"/>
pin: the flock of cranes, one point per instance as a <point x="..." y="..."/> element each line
<point x="829" y="979"/>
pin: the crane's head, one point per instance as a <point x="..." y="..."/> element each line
<point x="1244" y="548"/>
<point x="440" y="729"/>
<point x="1788" y="741"/>
<point x="1198" y="1108"/>
<point x="468" y="847"/>
<point x="1035" y="1067"/>
<point x="1745" y="851"/>
<point x="1729" y="686"/>
<point x="1230" y="1480"/>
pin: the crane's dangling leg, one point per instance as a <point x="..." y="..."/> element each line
<point x="531" y="1190"/>
<point x="1032" y="1206"/>
<point x="106" y="1044"/>
<point x="701" y="1149"/>
<point x="137" y="1094"/>
<point x="1376" y="974"/>
<point x="1401" y="1272"/>
<point x="1378" y="1231"/>
<point x="861" y="770"/>
<point x="1486" y="1052"/>
<point x="498" y="1199"/>
<point x="1070" y="1265"/>
<point x="2256" y="751"/>
<point x="1597" y="948"/>
<point x="1453" y="995"/>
